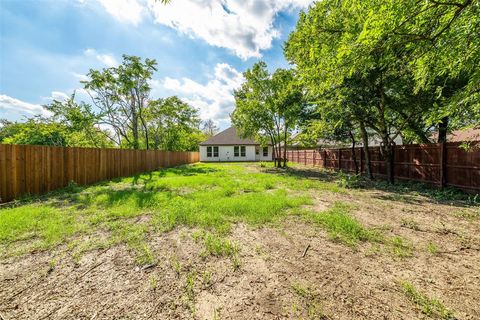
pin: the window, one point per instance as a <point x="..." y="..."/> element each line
<point x="236" y="153"/>
<point x="209" y="152"/>
<point x="242" y="151"/>
<point x="265" y="151"/>
<point x="215" y="151"/>
<point x="257" y="150"/>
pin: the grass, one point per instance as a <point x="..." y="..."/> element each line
<point x="341" y="226"/>
<point x="129" y="210"/>
<point x="428" y="306"/>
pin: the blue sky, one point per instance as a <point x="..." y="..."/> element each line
<point x="201" y="46"/>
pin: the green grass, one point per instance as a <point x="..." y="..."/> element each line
<point x="341" y="226"/>
<point x="428" y="306"/>
<point x="209" y="196"/>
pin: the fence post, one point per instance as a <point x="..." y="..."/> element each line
<point x="443" y="164"/>
<point x="361" y="160"/>
<point x="305" y="156"/>
<point x="324" y="158"/>
<point x="339" y="159"/>
<point x="314" y="157"/>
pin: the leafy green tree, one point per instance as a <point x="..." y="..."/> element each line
<point x="34" y="132"/>
<point x="121" y="94"/>
<point x="173" y="125"/>
<point x="351" y="47"/>
<point x="268" y="106"/>
<point x="80" y="122"/>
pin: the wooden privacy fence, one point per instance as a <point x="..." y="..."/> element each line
<point x="441" y="164"/>
<point x="26" y="169"/>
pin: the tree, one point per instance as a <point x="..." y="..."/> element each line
<point x="268" y="106"/>
<point x="80" y="122"/>
<point x="345" y="45"/>
<point x="173" y="125"/>
<point x="209" y="128"/>
<point x="121" y="94"/>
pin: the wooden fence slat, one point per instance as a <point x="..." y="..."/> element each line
<point x="436" y="164"/>
<point x="26" y="169"/>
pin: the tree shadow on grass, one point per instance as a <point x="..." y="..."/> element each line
<point x="401" y="191"/>
<point x="303" y="173"/>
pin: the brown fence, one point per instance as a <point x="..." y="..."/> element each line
<point x="28" y="169"/>
<point x="441" y="164"/>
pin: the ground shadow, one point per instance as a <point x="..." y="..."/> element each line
<point x="401" y="191"/>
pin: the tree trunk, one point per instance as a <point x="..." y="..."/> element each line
<point x="285" y="148"/>
<point x="368" y="166"/>
<point x="442" y="130"/>
<point x="387" y="150"/>
<point x="354" y="156"/>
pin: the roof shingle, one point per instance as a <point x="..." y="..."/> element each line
<point x="229" y="136"/>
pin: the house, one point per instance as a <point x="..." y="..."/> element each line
<point x="373" y="141"/>
<point x="229" y="146"/>
<point x="469" y="134"/>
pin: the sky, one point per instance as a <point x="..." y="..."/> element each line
<point x="202" y="47"/>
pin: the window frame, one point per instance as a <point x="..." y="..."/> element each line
<point x="243" y="151"/>
<point x="209" y="151"/>
<point x="215" y="152"/>
<point x="236" y="151"/>
<point x="265" y="151"/>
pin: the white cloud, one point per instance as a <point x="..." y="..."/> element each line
<point x="243" y="26"/>
<point x="129" y="11"/>
<point x="60" y="96"/>
<point x="107" y="59"/>
<point x="215" y="98"/>
<point x="79" y="76"/>
<point x="10" y="104"/>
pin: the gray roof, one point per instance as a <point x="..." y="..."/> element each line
<point x="229" y="136"/>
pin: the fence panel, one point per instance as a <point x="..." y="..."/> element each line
<point x="26" y="169"/>
<point x="438" y="164"/>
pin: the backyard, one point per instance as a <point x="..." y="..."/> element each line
<point x="241" y="241"/>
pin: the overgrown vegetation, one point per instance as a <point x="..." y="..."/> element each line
<point x="127" y="210"/>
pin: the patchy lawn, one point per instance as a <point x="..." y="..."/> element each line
<point x="241" y="241"/>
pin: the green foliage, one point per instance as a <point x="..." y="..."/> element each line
<point x="34" y="131"/>
<point x="392" y="68"/>
<point x="173" y="125"/>
<point x="268" y="105"/>
<point x="346" y="180"/>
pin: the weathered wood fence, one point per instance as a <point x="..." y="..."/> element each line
<point x="26" y="169"/>
<point x="441" y="164"/>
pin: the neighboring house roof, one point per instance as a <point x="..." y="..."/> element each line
<point x="229" y="136"/>
<point x="472" y="134"/>
<point x="373" y="141"/>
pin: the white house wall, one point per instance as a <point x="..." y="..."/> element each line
<point x="226" y="153"/>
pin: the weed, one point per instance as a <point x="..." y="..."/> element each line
<point x="432" y="248"/>
<point x="427" y="305"/>
<point x="190" y="285"/>
<point x="399" y="247"/>
<point x="307" y="295"/>
<point x="302" y="290"/>
<point x="206" y="277"/>
<point x="346" y="180"/>
<point x="410" y="224"/>
<point x="176" y="265"/>
<point x="153" y="282"/>
<point x="51" y="265"/>
<point x="236" y="262"/>
<point x="218" y="246"/>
